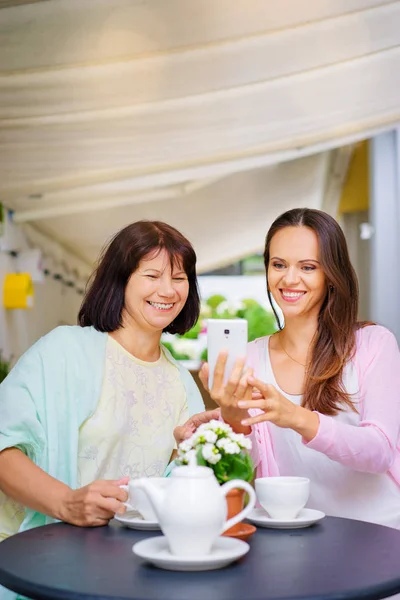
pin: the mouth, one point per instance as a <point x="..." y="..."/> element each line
<point x="291" y="295"/>
<point x="162" y="306"/>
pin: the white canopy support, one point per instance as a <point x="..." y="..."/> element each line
<point x="211" y="115"/>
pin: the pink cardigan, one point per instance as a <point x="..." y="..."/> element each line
<point x="373" y="446"/>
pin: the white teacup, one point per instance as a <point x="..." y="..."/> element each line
<point x="139" y="501"/>
<point x="282" y="497"/>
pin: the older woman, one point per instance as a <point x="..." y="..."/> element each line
<point x="90" y="406"/>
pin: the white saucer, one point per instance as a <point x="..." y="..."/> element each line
<point x="134" y="520"/>
<point x="156" y="551"/>
<point x="305" y="518"/>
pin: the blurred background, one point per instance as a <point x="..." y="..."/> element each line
<point x="212" y="115"/>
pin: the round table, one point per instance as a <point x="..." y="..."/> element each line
<point x="335" y="559"/>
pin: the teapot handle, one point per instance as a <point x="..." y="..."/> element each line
<point x="234" y="484"/>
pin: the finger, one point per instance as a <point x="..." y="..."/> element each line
<point x="108" y="489"/>
<point x="265" y="389"/>
<point x="203" y="375"/>
<point x="205" y="417"/>
<point x="235" y="376"/>
<point x="183" y="432"/>
<point x="243" y="386"/>
<point x="123" y="481"/>
<point x="265" y="416"/>
<point x="108" y="507"/>
<point x="219" y="371"/>
<point x="261" y="404"/>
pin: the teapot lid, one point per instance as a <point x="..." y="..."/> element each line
<point x="195" y="472"/>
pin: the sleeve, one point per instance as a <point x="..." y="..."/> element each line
<point x="20" y="425"/>
<point x="370" y="446"/>
<point x="195" y="401"/>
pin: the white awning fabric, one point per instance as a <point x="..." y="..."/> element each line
<point x="210" y="114"/>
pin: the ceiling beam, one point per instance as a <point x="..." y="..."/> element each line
<point x="73" y="208"/>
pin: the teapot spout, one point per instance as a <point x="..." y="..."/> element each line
<point x="153" y="493"/>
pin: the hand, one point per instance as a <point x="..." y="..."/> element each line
<point x="227" y="396"/>
<point x="94" y="504"/>
<point x="279" y="410"/>
<point x="183" y="432"/>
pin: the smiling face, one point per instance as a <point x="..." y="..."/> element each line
<point x="295" y="276"/>
<point x="155" y="293"/>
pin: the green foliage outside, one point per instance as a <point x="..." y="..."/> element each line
<point x="175" y="353"/>
<point x="4" y="367"/>
<point x="260" y="322"/>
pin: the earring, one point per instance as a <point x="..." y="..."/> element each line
<point x="331" y="288"/>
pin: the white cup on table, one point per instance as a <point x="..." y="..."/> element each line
<point x="282" y="497"/>
<point x="139" y="501"/>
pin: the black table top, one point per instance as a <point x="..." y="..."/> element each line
<point x="335" y="559"/>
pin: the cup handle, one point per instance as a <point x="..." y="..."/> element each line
<point x="128" y="506"/>
<point x="231" y="485"/>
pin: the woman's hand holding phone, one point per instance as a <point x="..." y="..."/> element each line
<point x="228" y="395"/>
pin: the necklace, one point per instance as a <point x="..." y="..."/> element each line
<point x="288" y="355"/>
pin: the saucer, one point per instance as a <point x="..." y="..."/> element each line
<point x="305" y="518"/>
<point x="241" y="531"/>
<point x="134" y="520"/>
<point x="224" y="551"/>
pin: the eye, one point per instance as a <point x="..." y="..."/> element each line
<point x="152" y="276"/>
<point x="179" y="278"/>
<point x="309" y="268"/>
<point x="278" y="265"/>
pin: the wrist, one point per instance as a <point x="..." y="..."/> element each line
<point x="234" y="419"/>
<point x="62" y="503"/>
<point x="306" y="423"/>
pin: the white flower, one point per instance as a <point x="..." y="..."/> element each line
<point x="228" y="446"/>
<point x="186" y="445"/>
<point x="204" y="437"/>
<point x="210" y="453"/>
<point x="189" y="458"/>
<point x="218" y="426"/>
<point x="184" y="346"/>
<point x="229" y="308"/>
<point x="240" y="439"/>
<point x="246" y="443"/>
<point x="205" y="310"/>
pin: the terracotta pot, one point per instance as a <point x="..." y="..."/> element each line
<point x="235" y="503"/>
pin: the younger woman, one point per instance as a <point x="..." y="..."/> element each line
<point x="327" y="401"/>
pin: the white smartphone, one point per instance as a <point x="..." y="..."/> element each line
<point x="225" y="334"/>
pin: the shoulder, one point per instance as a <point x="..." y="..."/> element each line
<point x="71" y="335"/>
<point x="375" y="344"/>
<point x="373" y="337"/>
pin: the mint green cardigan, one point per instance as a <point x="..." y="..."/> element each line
<point x="51" y="391"/>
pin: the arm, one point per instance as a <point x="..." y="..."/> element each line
<point x="371" y="446"/>
<point x="91" y="505"/>
<point x="24" y="448"/>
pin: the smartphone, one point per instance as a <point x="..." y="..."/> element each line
<point x="225" y="334"/>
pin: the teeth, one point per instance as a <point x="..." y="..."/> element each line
<point x="293" y="294"/>
<point x="161" y="306"/>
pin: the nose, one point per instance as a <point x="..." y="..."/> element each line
<point x="292" y="276"/>
<point x="166" y="289"/>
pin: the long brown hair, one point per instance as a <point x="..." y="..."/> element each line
<point x="334" y="342"/>
<point x="105" y="296"/>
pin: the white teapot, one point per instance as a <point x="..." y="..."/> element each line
<point x="192" y="509"/>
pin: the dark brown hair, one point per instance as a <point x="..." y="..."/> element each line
<point x="105" y="294"/>
<point x="334" y="342"/>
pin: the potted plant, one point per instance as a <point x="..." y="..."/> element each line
<point x="217" y="446"/>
